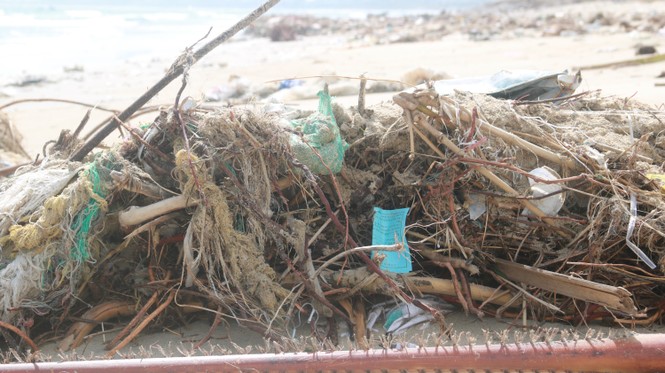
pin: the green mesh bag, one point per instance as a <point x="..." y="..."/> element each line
<point x="321" y="144"/>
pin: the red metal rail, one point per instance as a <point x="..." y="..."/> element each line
<point x="640" y="353"/>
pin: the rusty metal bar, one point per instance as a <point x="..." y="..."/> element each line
<point x="640" y="353"/>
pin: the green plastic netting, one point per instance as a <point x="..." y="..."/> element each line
<point x="321" y="144"/>
<point x="84" y="219"/>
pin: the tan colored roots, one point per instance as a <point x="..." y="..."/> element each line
<point x="230" y="257"/>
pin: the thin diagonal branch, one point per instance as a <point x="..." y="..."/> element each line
<point x="175" y="71"/>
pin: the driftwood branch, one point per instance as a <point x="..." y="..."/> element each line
<point x="175" y="71"/>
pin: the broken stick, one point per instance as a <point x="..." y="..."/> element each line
<point x="613" y="297"/>
<point x="136" y="215"/>
<point x="362" y="276"/>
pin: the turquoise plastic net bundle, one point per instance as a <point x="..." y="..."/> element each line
<point x="321" y="144"/>
<point x="84" y="219"/>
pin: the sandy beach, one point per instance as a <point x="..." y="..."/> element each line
<point x="510" y="36"/>
<point x="455" y="54"/>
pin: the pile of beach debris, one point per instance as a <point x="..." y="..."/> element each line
<point x="547" y="210"/>
<point x="525" y="202"/>
<point x="501" y="20"/>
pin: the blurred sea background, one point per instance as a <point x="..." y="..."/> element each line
<point x="44" y="37"/>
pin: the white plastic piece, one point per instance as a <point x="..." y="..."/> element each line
<point x="477" y="205"/>
<point x="629" y="232"/>
<point x="549" y="205"/>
